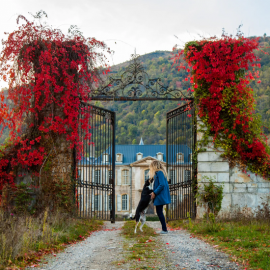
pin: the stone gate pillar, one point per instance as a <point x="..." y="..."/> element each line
<point x="242" y="191"/>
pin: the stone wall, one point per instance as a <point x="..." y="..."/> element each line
<point x="241" y="190"/>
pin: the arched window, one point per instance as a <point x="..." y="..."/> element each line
<point x="139" y="156"/>
<point x="119" y="157"/>
<point x="160" y="156"/>
<point x="180" y="157"/>
<point x="124" y="202"/>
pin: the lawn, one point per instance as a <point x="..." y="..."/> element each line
<point x="247" y="241"/>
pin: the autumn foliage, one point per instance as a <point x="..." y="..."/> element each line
<point x="48" y="75"/>
<point x="220" y="71"/>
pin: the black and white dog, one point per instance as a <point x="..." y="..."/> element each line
<point x="143" y="205"/>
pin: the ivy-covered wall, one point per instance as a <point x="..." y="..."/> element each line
<point x="244" y="191"/>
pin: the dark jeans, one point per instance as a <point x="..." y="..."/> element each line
<point x="161" y="217"/>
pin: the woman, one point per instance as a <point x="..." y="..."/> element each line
<point x="161" y="193"/>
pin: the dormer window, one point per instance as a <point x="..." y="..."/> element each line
<point x="180" y="157"/>
<point x="139" y="156"/>
<point x="105" y="157"/>
<point x="160" y="156"/>
<point x="119" y="157"/>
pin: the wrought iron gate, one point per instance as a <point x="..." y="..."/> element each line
<point x="181" y="168"/>
<point x="95" y="181"/>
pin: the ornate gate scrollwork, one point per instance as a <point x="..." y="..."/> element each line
<point x="134" y="84"/>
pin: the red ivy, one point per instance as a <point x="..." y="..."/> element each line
<point x="218" y="76"/>
<point x="45" y="69"/>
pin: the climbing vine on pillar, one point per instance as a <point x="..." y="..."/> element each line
<point x="220" y="71"/>
<point x="48" y="74"/>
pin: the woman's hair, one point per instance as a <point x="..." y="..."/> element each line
<point x="156" y="166"/>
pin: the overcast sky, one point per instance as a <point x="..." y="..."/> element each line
<point x="146" y="25"/>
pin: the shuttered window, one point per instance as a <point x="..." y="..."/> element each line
<point x="174" y="201"/>
<point x="125" y="177"/>
<point x="146" y="175"/>
<point x="97" y="176"/>
<point x="125" y="202"/>
<point x="173" y="176"/>
<point x="187" y="175"/>
<point x="96" y="202"/>
<point x="110" y="201"/>
<point x="109" y="176"/>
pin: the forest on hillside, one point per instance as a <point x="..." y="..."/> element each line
<point x="147" y="119"/>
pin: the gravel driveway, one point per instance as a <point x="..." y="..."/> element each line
<point x="98" y="251"/>
<point x="103" y="248"/>
<point x="186" y="252"/>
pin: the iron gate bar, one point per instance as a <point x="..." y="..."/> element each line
<point x="95" y="183"/>
<point x="181" y="141"/>
<point x="99" y="191"/>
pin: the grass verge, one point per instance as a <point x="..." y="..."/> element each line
<point x="247" y="241"/>
<point x="142" y="250"/>
<point x="24" y="240"/>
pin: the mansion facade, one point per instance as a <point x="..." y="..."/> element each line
<point x="131" y="171"/>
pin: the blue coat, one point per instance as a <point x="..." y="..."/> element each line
<point x="161" y="189"/>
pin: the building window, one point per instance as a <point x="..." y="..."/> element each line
<point x="160" y="156"/>
<point x="97" y="176"/>
<point x="173" y="176"/>
<point x="96" y="202"/>
<point x="146" y="175"/>
<point x="139" y="156"/>
<point x="174" y="201"/>
<point x="180" y="157"/>
<point x="110" y="176"/>
<point x="119" y="158"/>
<point x="124" y="202"/>
<point x="106" y="158"/>
<point x="110" y="202"/>
<point x="187" y="176"/>
<point x="125" y="180"/>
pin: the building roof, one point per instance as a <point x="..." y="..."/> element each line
<point x="130" y="152"/>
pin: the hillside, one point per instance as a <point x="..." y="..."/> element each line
<point x="146" y="119"/>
